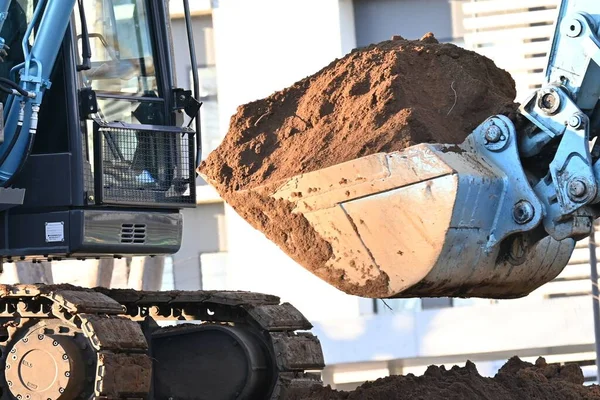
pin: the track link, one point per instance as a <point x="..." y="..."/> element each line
<point x="111" y="330"/>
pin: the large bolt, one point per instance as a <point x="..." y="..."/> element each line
<point x="574" y="28"/>
<point x="523" y="212"/>
<point x="576" y="121"/>
<point x="577" y="189"/>
<point x="493" y="134"/>
<point x="549" y="101"/>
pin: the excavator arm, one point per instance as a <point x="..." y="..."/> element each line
<point x="23" y="106"/>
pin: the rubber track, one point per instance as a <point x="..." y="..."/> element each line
<point x="109" y="318"/>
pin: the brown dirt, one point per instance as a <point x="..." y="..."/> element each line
<point x="516" y="380"/>
<point x="381" y="98"/>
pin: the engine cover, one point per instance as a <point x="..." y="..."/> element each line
<point x="91" y="233"/>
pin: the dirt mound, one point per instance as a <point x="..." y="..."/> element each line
<point x="381" y="98"/>
<point x="516" y="380"/>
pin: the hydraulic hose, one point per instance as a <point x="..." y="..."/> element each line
<point x="9" y="90"/>
<point x="15" y="137"/>
<point x="6" y="89"/>
<point x="23" y="159"/>
<point x="15" y="86"/>
<point x="11" y="145"/>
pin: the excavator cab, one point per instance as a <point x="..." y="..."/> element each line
<point x="111" y="164"/>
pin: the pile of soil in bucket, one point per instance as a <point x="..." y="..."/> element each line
<point x="380" y="98"/>
<point x="516" y="380"/>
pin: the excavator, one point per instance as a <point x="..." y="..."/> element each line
<point x="97" y="161"/>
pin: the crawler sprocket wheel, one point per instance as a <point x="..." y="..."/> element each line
<point x="49" y="359"/>
<point x="67" y="343"/>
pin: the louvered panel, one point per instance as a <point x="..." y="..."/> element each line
<point x="515" y="34"/>
<point x="490" y="6"/>
<point x="522" y="50"/>
<point x="524" y="64"/>
<point x="510" y="20"/>
<point x="575" y="272"/>
<point x="527" y="81"/>
<point x="582" y="256"/>
<point x="584" y="243"/>
<point x="555" y="289"/>
<point x="506" y="36"/>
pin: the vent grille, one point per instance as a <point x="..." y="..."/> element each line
<point x="133" y="233"/>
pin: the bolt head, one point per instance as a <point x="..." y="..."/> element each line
<point x="577" y="189"/>
<point x="548" y="101"/>
<point x="574" y="28"/>
<point x="575" y="121"/>
<point x="523" y="212"/>
<point x="493" y="134"/>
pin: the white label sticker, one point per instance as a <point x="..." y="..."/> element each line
<point x="55" y="231"/>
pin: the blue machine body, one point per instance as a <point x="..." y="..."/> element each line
<point x="111" y="189"/>
<point x="34" y="76"/>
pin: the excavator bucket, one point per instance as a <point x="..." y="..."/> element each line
<point x="428" y="221"/>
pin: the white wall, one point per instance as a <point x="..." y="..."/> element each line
<point x="263" y="46"/>
<point x="378" y="20"/>
<point x="512" y="327"/>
